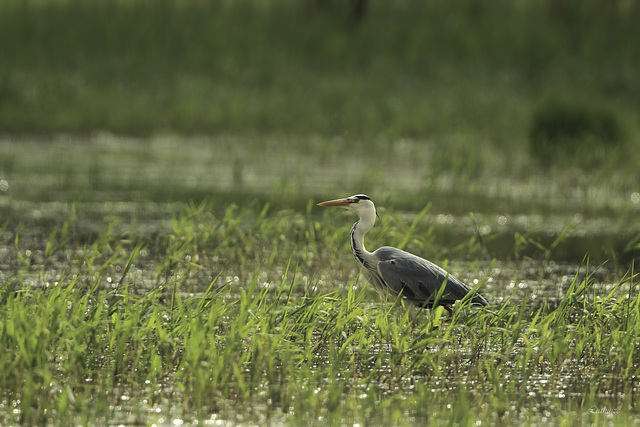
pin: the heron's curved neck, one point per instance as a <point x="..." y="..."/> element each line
<point x="359" y="229"/>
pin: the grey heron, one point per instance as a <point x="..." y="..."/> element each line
<point x="394" y="272"/>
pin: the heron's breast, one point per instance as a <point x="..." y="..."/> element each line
<point x="378" y="283"/>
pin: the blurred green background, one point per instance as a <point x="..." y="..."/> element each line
<point x="357" y="68"/>
<point x="502" y="107"/>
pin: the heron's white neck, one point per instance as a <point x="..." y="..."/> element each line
<point x="359" y="229"/>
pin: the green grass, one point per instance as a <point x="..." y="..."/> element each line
<point x="255" y="317"/>
<point x="123" y="302"/>
<point x="406" y="69"/>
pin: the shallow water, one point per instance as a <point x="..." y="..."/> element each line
<point x="138" y="186"/>
<point x="105" y="167"/>
<point x="141" y="184"/>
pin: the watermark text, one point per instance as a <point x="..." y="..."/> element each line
<point x="604" y="410"/>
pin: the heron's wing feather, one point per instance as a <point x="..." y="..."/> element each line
<point x="418" y="279"/>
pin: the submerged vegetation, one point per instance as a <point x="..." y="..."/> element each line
<point x="136" y="325"/>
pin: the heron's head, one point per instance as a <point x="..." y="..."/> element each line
<point x="358" y="203"/>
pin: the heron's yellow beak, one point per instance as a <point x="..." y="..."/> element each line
<point x="337" y="202"/>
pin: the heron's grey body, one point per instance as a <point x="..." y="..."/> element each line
<point x="394" y="272"/>
<point x="417" y="279"/>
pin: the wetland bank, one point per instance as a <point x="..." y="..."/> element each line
<point x="162" y="260"/>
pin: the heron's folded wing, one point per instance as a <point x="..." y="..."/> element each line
<point x="419" y="279"/>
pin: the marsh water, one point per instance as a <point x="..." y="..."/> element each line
<point x="41" y="179"/>
<point x="534" y="232"/>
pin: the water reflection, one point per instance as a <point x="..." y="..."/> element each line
<point x="144" y="184"/>
<point x="109" y="167"/>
